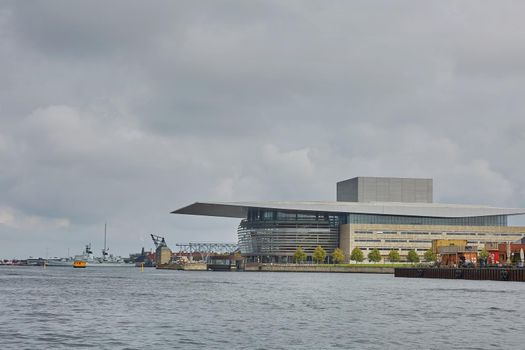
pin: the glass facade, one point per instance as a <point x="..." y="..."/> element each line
<point x="274" y="235"/>
<point x="497" y="220"/>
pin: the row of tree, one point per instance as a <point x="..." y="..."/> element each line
<point x="319" y="255"/>
<point x="357" y="255"/>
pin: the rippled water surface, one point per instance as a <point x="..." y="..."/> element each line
<point x="122" y="308"/>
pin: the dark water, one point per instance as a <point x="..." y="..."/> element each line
<point x="122" y="308"/>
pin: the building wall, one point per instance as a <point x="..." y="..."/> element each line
<point x="385" y="189"/>
<point x="163" y="255"/>
<point x="347" y="191"/>
<point x="419" y="237"/>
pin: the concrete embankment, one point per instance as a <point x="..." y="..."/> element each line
<point x="317" y="268"/>
<point x="184" y="267"/>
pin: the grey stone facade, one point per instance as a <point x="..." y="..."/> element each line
<point x="385" y="189"/>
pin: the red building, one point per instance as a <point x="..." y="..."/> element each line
<point x="511" y="252"/>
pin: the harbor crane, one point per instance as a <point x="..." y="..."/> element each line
<point x="158" y="241"/>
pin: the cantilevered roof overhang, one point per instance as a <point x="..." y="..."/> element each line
<point x="240" y="209"/>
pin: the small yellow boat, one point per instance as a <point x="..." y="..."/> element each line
<point x="79" y="264"/>
<point x="81" y="261"/>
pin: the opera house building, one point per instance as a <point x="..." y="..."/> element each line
<point x="370" y="212"/>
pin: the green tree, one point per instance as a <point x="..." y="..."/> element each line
<point x="430" y="256"/>
<point x="484" y="254"/>
<point x="338" y="256"/>
<point x="483" y="257"/>
<point x="393" y="256"/>
<point x="357" y="255"/>
<point x="413" y="257"/>
<point x="374" y="255"/>
<point x="299" y="256"/>
<point x="319" y="254"/>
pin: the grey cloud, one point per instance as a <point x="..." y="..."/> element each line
<point x="124" y="111"/>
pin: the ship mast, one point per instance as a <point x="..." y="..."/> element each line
<point x="105" y="250"/>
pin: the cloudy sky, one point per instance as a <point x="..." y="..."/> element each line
<point x="121" y="112"/>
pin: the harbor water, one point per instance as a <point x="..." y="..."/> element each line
<point x="117" y="308"/>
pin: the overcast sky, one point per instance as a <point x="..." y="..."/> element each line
<point x="124" y="111"/>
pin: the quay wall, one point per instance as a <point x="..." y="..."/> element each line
<point x="317" y="268"/>
<point x="287" y="268"/>
<point x="184" y="267"/>
<point x="493" y="274"/>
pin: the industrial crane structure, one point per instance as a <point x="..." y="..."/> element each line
<point x="158" y="241"/>
<point x="206" y="248"/>
<point x="162" y="252"/>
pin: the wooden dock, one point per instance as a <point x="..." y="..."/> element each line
<point x="492" y="274"/>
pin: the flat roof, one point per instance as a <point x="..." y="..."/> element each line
<point x="240" y="209"/>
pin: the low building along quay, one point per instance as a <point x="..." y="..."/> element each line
<point x="369" y="213"/>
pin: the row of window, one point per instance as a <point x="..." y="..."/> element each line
<point x="387" y="249"/>
<point x="261" y="214"/>
<point x="255" y="214"/>
<point x="436" y="233"/>
<point x="395" y="240"/>
<point x="495" y="220"/>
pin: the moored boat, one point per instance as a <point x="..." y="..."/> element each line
<point x="79" y="263"/>
<point x="59" y="262"/>
<point x="106" y="260"/>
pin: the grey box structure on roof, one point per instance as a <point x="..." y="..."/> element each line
<point x="385" y="189"/>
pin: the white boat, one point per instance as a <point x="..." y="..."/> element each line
<point x="59" y="262"/>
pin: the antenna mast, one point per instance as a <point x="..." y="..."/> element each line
<point x="105" y="250"/>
